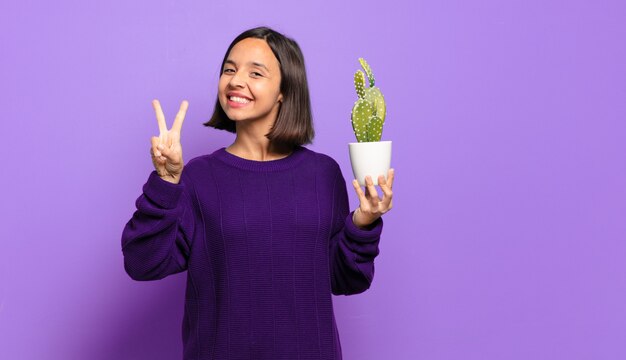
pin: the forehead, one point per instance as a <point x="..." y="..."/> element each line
<point x="252" y="50"/>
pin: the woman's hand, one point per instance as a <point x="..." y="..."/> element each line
<point x="371" y="206"/>
<point x="166" y="151"/>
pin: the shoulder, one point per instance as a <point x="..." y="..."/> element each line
<point x="199" y="166"/>
<point x="323" y="161"/>
<point x="326" y="167"/>
<point x="203" y="161"/>
<point x="198" y="163"/>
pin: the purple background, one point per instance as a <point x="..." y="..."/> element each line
<point x="508" y="120"/>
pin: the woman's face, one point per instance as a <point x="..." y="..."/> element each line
<point x="249" y="86"/>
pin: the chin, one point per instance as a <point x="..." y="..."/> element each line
<point x="233" y="117"/>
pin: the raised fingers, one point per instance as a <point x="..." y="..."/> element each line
<point x="371" y="189"/>
<point x="160" y="118"/>
<point x="390" y="175"/>
<point x="385" y="186"/>
<point x="359" y="191"/>
<point x="180" y="117"/>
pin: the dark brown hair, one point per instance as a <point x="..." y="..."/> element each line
<point x="294" y="124"/>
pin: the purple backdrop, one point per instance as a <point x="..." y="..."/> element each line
<point x="507" y="237"/>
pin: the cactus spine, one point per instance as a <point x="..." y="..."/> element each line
<point x="368" y="113"/>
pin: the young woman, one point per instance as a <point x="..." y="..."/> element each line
<point x="263" y="226"/>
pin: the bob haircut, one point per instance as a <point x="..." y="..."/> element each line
<point x="294" y="124"/>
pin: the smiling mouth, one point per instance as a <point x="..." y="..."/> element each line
<point x="238" y="99"/>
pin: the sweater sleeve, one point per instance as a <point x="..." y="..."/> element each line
<point x="352" y="249"/>
<point x="157" y="239"/>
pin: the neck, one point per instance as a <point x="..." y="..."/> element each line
<point x="252" y="144"/>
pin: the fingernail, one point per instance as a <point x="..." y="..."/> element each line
<point x="160" y="147"/>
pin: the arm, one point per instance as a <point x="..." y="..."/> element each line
<point x="156" y="240"/>
<point x="352" y="249"/>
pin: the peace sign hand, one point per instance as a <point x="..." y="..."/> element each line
<point x="371" y="206"/>
<point x="166" y="151"/>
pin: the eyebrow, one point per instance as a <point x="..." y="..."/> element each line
<point x="253" y="63"/>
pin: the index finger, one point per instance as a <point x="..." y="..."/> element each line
<point x="160" y="117"/>
<point x="178" y="120"/>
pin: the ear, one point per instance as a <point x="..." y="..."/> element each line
<point x="280" y="98"/>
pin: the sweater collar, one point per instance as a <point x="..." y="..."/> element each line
<point x="271" y="165"/>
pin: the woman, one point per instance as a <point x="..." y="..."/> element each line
<point x="263" y="226"/>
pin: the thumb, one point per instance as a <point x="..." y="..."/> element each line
<point x="156" y="152"/>
<point x="170" y="153"/>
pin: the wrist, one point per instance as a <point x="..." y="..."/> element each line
<point x="358" y="221"/>
<point x="171" y="179"/>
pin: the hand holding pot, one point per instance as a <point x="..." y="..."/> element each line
<point x="371" y="206"/>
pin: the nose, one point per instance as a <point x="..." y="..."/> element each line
<point x="237" y="80"/>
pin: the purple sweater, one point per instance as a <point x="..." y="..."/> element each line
<point x="264" y="243"/>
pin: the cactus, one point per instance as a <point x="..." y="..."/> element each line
<point x="368" y="113"/>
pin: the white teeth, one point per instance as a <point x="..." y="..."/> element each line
<point x="239" y="100"/>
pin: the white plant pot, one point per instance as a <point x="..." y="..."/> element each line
<point x="370" y="158"/>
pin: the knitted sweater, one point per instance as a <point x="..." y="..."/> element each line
<point x="264" y="243"/>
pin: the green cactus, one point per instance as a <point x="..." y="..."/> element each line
<point x="368" y="113"/>
<point x="368" y="71"/>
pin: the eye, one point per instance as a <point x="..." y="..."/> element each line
<point x="256" y="74"/>
<point x="228" y="71"/>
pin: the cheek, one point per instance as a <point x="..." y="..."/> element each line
<point x="221" y="92"/>
<point x="266" y="91"/>
<point x="221" y="85"/>
<point x="221" y="97"/>
<point x="277" y="89"/>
